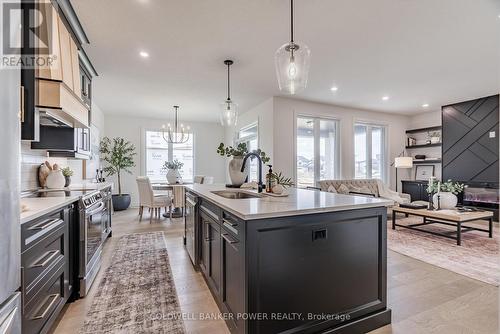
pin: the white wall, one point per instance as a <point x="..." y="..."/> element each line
<point x="263" y="115"/>
<point x="207" y="137"/>
<point x="285" y="111"/>
<point x="425" y="120"/>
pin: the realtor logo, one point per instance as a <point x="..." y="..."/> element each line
<point x="27" y="34"/>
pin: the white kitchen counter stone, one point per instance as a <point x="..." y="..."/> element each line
<point x="299" y="202"/>
<point x="37" y="207"/>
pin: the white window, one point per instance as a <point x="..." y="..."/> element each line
<point x="370" y="157"/>
<point x="158" y="151"/>
<point x="317" y="150"/>
<point x="250" y="136"/>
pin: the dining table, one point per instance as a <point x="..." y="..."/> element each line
<point x="177" y="191"/>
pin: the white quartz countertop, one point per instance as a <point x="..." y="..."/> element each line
<point x="37" y="207"/>
<point x="299" y="202"/>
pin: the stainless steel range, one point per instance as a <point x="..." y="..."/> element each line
<point x="94" y="219"/>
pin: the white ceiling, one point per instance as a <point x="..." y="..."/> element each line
<point x="415" y="51"/>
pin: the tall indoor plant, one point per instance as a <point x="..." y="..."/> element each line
<point x="119" y="155"/>
<point x="238" y="153"/>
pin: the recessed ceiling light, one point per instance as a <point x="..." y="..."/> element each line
<point x="425" y="105"/>
<point x="144" y="54"/>
<point x="334" y="89"/>
<point x="385" y="98"/>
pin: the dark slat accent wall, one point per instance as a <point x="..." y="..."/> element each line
<point x="469" y="154"/>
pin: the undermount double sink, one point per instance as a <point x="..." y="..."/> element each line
<point x="236" y="194"/>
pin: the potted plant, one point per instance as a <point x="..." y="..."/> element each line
<point x="445" y="194"/>
<point x="238" y="153"/>
<point x="67" y="173"/>
<point x="434" y="137"/>
<point x="281" y="182"/>
<point x="173" y="167"/>
<point x="119" y="155"/>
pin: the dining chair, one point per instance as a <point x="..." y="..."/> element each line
<point x="198" y="179"/>
<point x="208" y="180"/>
<point x="147" y="198"/>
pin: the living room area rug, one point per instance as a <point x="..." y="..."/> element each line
<point x="477" y="257"/>
<point x="137" y="292"/>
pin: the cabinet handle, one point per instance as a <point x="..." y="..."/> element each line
<point x="22" y="104"/>
<point x="210" y="213"/>
<point x="46" y="224"/>
<point x="230" y="223"/>
<point x="229" y="241"/>
<point x="54" y="297"/>
<point x="51" y="255"/>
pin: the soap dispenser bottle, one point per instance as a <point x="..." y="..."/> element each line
<point x="269" y="180"/>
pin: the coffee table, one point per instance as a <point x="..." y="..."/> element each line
<point x="446" y="217"/>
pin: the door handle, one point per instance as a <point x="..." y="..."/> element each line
<point x="6" y="326"/>
<point x="54" y="297"/>
<point x="51" y="255"/>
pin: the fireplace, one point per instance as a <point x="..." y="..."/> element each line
<point x="482" y="197"/>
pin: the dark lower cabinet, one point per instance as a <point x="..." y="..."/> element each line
<point x="416" y="189"/>
<point x="329" y="267"/>
<point x="46" y="283"/>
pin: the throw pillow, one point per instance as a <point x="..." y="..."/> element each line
<point x="331" y="189"/>
<point x="342" y="189"/>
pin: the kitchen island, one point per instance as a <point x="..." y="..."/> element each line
<point x="312" y="262"/>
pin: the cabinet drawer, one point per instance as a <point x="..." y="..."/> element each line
<point x="34" y="231"/>
<point x="232" y="225"/>
<point x="38" y="260"/>
<point x="211" y="210"/>
<point x="40" y="311"/>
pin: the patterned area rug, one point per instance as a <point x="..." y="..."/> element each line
<point x="137" y="292"/>
<point x="477" y="257"/>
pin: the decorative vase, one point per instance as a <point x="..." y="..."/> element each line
<point x="55" y="180"/>
<point x="67" y="181"/>
<point x="235" y="174"/>
<point x="435" y="140"/>
<point x="173" y="176"/>
<point x="278" y="189"/>
<point x="447" y="200"/>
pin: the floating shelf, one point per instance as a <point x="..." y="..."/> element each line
<point x="432" y="128"/>
<point x="421" y="162"/>
<point x="423" y="146"/>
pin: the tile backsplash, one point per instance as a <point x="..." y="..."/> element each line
<point x="32" y="159"/>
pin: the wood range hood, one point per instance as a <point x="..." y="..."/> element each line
<point x="59" y="104"/>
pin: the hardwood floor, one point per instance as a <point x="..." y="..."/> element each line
<point x="423" y="298"/>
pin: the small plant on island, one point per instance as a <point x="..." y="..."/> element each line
<point x="282" y="180"/>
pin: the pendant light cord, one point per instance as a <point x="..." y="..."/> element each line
<point x="228" y="84"/>
<point x="291" y="21"/>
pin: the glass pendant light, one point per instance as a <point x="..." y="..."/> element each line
<point x="292" y="62"/>
<point x="176" y="134"/>
<point x="229" y="113"/>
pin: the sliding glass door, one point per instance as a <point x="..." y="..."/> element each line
<point x="317" y="150"/>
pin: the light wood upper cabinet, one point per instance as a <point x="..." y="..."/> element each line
<point x="75" y="63"/>
<point x="66" y="57"/>
<point x="49" y="31"/>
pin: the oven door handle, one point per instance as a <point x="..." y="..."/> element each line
<point x="99" y="208"/>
